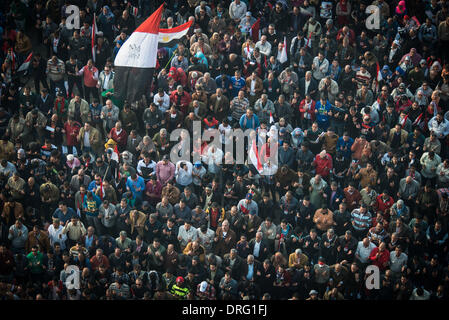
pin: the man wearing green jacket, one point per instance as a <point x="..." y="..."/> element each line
<point x="35" y="265"/>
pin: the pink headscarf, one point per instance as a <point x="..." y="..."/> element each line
<point x="400" y="9"/>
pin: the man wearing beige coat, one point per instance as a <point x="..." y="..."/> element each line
<point x="79" y="109"/>
<point x="90" y="139"/>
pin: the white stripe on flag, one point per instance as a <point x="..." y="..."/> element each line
<point x="165" y="37"/>
<point x="115" y="154"/>
<point x="139" y="51"/>
<point x="254" y="157"/>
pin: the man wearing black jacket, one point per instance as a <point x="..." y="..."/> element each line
<point x="308" y="85"/>
<point x="214" y="274"/>
<point x="258" y="247"/>
<point x="302" y="59"/>
<point x="267" y="207"/>
<point x="234" y="264"/>
<point x="334" y="196"/>
<point x="251" y="269"/>
<point x="38" y="67"/>
<point x="45" y="102"/>
<point x="303" y="218"/>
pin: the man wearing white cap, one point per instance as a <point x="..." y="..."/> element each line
<point x="394" y="54"/>
<point x="205" y="291"/>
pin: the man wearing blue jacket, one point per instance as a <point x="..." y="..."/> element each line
<point x="249" y="120"/>
<point x="323" y="113"/>
<point x="344" y="144"/>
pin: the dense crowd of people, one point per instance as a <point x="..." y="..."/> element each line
<point x="358" y="114"/>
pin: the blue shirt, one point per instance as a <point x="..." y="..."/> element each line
<point x="341" y="144"/>
<point x="136" y="187"/>
<point x="237" y="85"/>
<point x="92" y="186"/>
<point x="321" y="117"/>
<point x="223" y="82"/>
<point x="246" y="123"/>
<point x="91" y="206"/>
<point x="89" y="241"/>
<point x="250" y="274"/>
<point x="64" y="217"/>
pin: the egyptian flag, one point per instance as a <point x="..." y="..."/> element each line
<point x="283" y="55"/>
<point x="254" y="157"/>
<point x="115" y="154"/>
<point x="271" y="118"/>
<point x="134" y="11"/>
<point x="26" y="64"/>
<point x="136" y="60"/>
<point x="94" y="32"/>
<point x="309" y="40"/>
<point x="170" y="37"/>
<point x="378" y="76"/>
<point x="255" y="30"/>
<point x="102" y="193"/>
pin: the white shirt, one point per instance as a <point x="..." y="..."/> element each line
<point x="364" y="252"/>
<point x="237" y="11"/>
<point x="253" y="87"/>
<point x="256" y="250"/>
<point x="86" y="138"/>
<point x="165" y="99"/>
<point x="264" y="48"/>
<point x="106" y="81"/>
<point x="307" y="84"/>
<point x="56" y="235"/>
<point x="185" y="235"/>
<point x="225" y="134"/>
<point x="212" y="158"/>
<point x="55" y="44"/>
<point x="184" y="177"/>
<point x="142" y="164"/>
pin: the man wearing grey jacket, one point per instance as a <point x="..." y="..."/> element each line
<point x="263" y="108"/>
<point x="107" y="214"/>
<point x="408" y="190"/>
<point x="109" y="114"/>
<point x="18" y="235"/>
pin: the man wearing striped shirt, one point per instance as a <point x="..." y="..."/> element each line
<point x="362" y="77"/>
<point x="361" y="221"/>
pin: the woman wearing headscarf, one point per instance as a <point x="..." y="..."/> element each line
<point x="202" y="58"/>
<point x="387" y="75"/>
<point x="178" y="75"/>
<point x="400" y="10"/>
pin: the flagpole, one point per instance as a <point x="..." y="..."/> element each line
<point x="174" y="52"/>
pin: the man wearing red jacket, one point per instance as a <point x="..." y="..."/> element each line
<point x="180" y="99"/>
<point x="307" y="111"/>
<point x="323" y="164"/>
<point x="71" y="130"/>
<point x="119" y="135"/>
<point x="380" y="256"/>
<point x="383" y="203"/>
<point x="90" y="80"/>
<point x="99" y="259"/>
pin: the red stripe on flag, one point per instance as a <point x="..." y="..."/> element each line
<point x="255" y="153"/>
<point x="180" y="28"/>
<point x="151" y="25"/>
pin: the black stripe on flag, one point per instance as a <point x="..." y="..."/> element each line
<point x="132" y="83"/>
<point x="168" y="44"/>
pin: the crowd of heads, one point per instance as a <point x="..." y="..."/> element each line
<point x="354" y="101"/>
